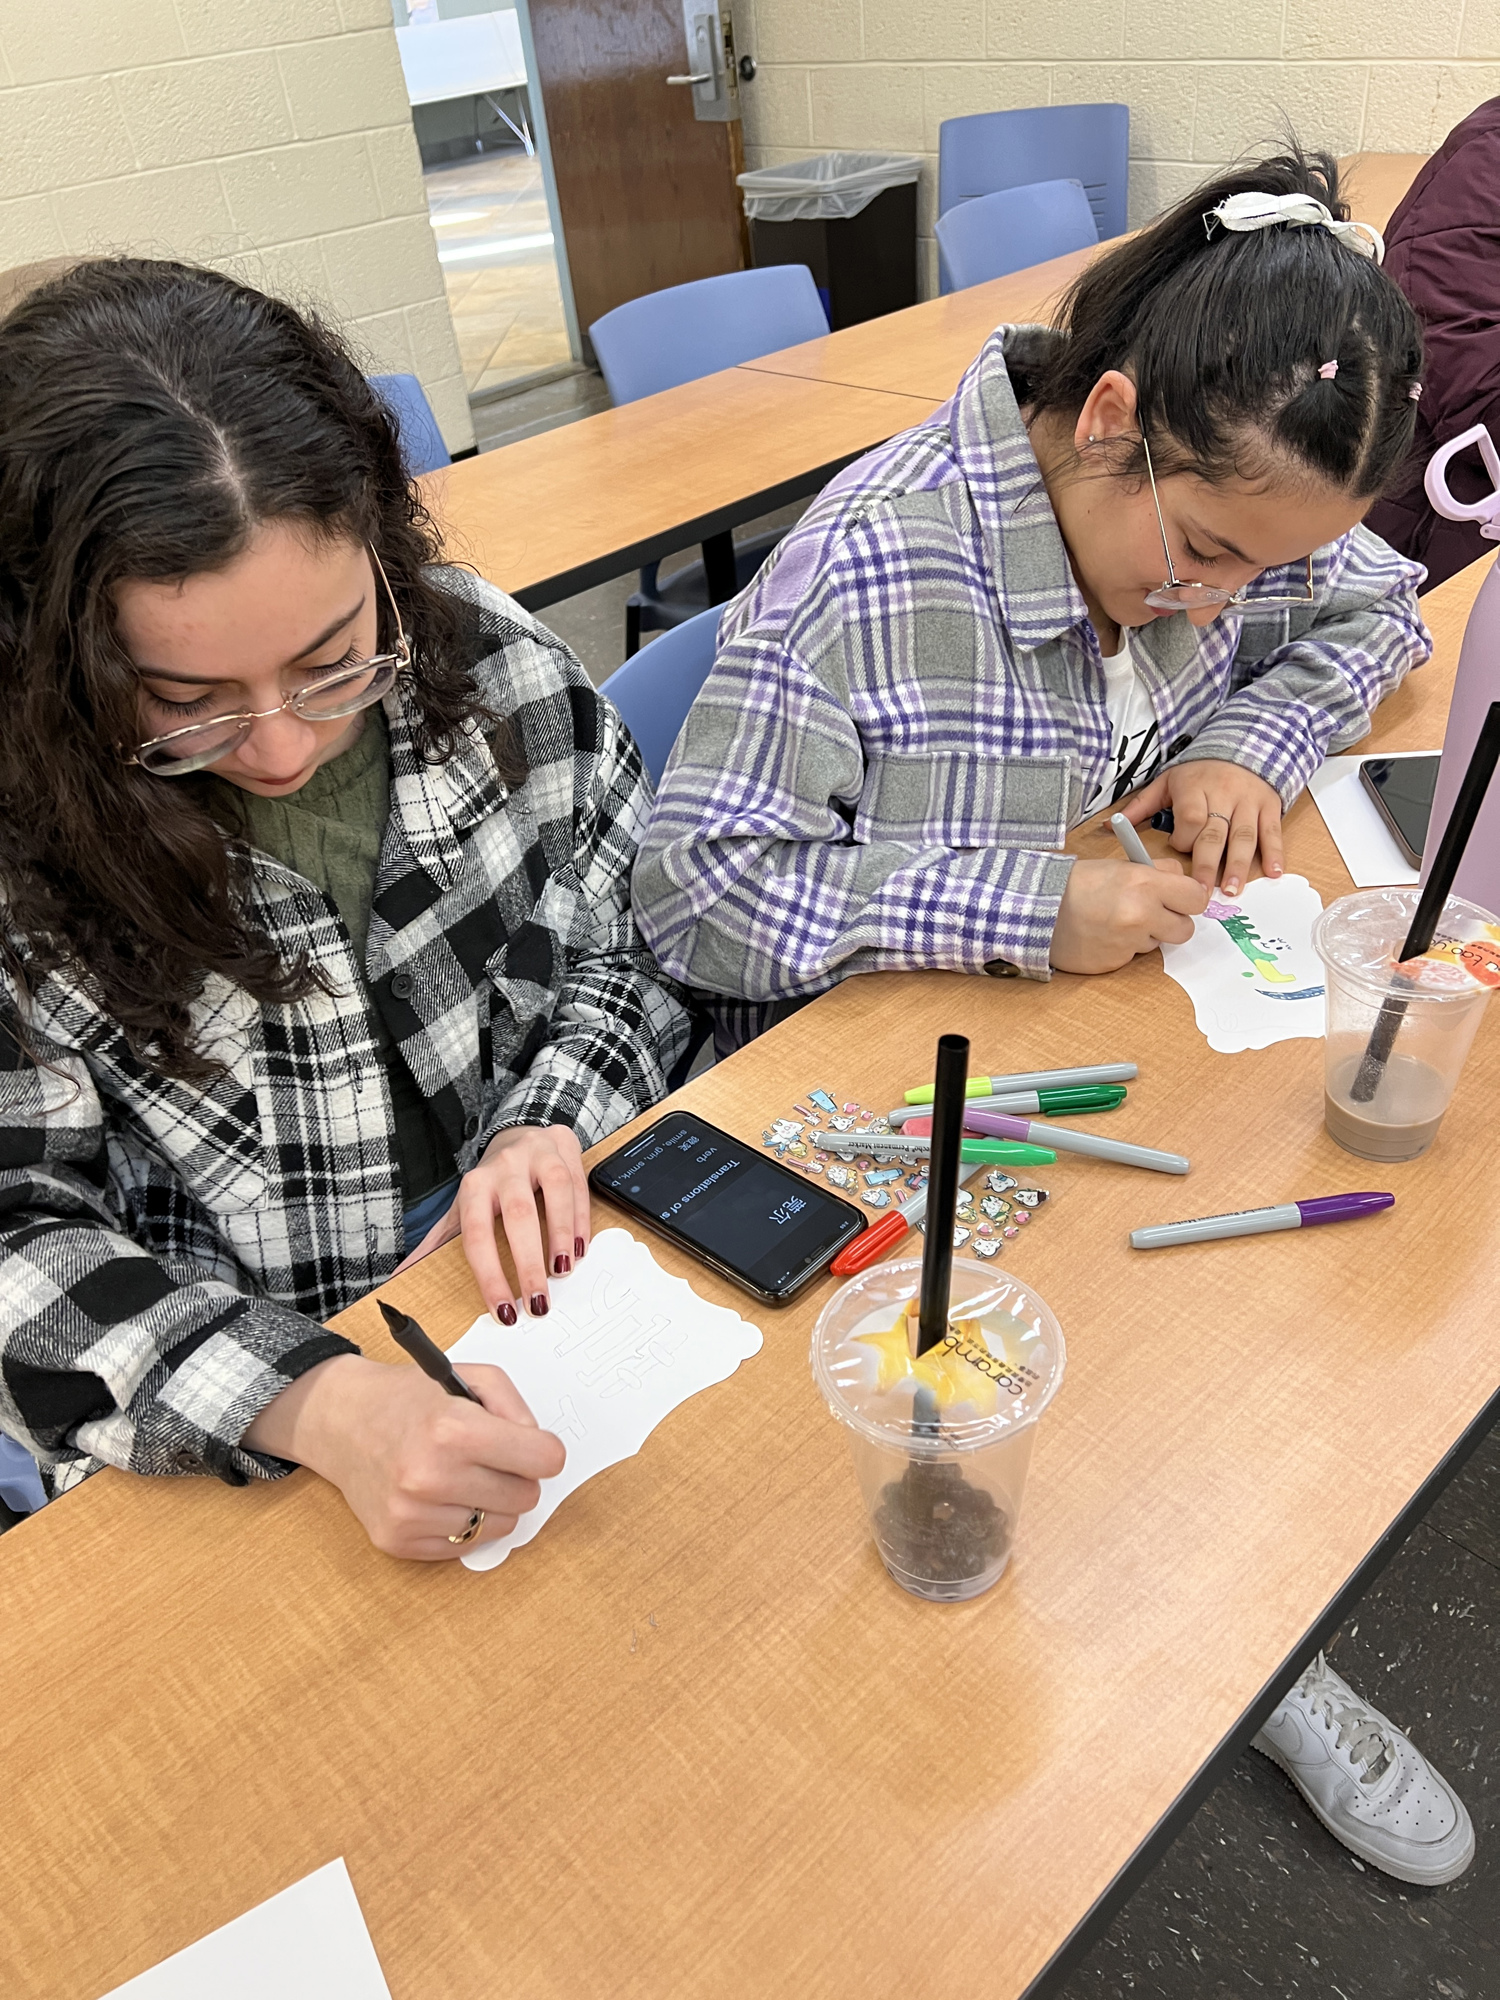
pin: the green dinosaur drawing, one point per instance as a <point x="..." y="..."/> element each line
<point x="1239" y="929"/>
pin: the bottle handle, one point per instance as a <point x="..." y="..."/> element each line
<point x="1486" y="511"/>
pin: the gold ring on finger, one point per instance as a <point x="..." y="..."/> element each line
<point x="476" y="1522"/>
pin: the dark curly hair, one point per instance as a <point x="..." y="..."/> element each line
<point x="152" y="417"/>
<point x="1224" y="335"/>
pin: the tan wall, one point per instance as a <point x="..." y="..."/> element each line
<point x="269" y="137"/>
<point x="1203" y="82"/>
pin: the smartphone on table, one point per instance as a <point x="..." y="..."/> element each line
<point x="1402" y="788"/>
<point x="747" y="1216"/>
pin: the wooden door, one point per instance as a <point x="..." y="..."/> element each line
<point x="646" y="192"/>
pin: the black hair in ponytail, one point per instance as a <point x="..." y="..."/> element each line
<point x="1225" y="334"/>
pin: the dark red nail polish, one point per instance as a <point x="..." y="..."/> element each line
<point x="539" y="1306"/>
<point x="560" y="1263"/>
<point x="506" y="1314"/>
<point x="577" y="1246"/>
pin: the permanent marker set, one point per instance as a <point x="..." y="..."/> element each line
<point x="1006" y="1122"/>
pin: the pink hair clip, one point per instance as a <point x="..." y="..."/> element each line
<point x="1415" y="391"/>
<point x="1327" y="372"/>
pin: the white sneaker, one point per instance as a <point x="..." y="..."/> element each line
<point x="1369" y="1785"/>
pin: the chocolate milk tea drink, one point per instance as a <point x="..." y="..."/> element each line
<point x="1441" y="997"/>
<point x="941" y="1441"/>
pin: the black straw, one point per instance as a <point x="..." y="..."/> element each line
<point x="948" y="1102"/>
<point x="1476" y="782"/>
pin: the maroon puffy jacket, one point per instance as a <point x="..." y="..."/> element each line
<point x="1443" y="250"/>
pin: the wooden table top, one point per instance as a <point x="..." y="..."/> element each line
<point x="692" y="1741"/>
<point x="558" y="513"/>
<point x="923" y="350"/>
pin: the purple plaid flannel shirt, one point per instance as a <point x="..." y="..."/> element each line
<point x="907" y="712"/>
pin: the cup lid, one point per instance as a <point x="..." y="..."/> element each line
<point x="995" y="1373"/>
<point x="1359" y="936"/>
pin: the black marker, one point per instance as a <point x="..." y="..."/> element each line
<point x="428" y="1356"/>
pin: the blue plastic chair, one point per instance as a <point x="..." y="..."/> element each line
<point x="1002" y="149"/>
<point x="422" y="445"/>
<point x="653" y="692"/>
<point x="996" y="233"/>
<point x="655" y="688"/>
<point x="676" y="336"/>
<point x="20" y="1482"/>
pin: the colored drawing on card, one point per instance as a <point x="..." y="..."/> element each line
<point x="1250" y="967"/>
<point x="1265" y="954"/>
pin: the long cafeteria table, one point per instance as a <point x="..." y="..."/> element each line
<point x="693" y="1742"/>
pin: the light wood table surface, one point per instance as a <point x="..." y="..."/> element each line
<point x="558" y="513"/>
<point x="924" y="349"/>
<point x="692" y="1742"/>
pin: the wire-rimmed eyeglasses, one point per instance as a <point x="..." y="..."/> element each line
<point x="1175" y="595"/>
<point x="359" y="685"/>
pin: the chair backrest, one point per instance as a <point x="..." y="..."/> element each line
<point x="654" y="690"/>
<point x="675" y="336"/>
<point x="422" y="444"/>
<point x="996" y="233"/>
<point x="1000" y="149"/>
<point x="20" y="1482"/>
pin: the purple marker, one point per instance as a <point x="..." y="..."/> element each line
<point x="1257" y="1221"/>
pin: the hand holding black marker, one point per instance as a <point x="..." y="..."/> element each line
<point x="425" y="1351"/>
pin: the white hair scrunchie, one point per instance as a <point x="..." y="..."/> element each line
<point x="1243" y="212"/>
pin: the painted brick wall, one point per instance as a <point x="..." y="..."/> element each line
<point x="1204" y="82"/>
<point x="271" y="138"/>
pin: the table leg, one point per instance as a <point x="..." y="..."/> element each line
<point x="718" y="567"/>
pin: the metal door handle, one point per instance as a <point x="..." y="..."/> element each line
<point x="706" y="77"/>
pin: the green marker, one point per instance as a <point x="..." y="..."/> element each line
<point x="1029" y="1103"/>
<point x="1002" y="1153"/>
<point x="888" y="1145"/>
<point x="1034" y="1079"/>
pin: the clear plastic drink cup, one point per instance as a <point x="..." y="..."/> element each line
<point x="942" y="1444"/>
<point x="1441" y="999"/>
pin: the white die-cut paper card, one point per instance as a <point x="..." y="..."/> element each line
<point x="1250" y="968"/>
<point x="623" y="1344"/>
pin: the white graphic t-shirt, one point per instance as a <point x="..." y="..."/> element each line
<point x="1135" y="753"/>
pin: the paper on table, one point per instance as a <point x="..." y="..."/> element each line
<point x="307" y="1943"/>
<point x="1359" y="833"/>
<point x="621" y="1347"/>
<point x="1250" y="967"/>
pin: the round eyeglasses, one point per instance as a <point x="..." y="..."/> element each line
<point x="1175" y="595"/>
<point x="359" y="685"/>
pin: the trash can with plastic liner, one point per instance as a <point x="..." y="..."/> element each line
<point x="851" y="218"/>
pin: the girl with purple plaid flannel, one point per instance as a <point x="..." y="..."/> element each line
<point x="1126" y="553"/>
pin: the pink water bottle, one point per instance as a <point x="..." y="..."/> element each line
<point x="1475" y="686"/>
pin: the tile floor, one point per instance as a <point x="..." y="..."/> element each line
<point x="495" y="245"/>
<point x="1255" y="1902"/>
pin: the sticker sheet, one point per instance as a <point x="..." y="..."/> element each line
<point x="883" y="1179"/>
<point x="1250" y="967"/>
<point x="621" y="1347"/>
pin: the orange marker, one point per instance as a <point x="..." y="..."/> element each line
<point x="870" y="1247"/>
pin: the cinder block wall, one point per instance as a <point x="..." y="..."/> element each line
<point x="1204" y="83"/>
<point x="271" y="138"/>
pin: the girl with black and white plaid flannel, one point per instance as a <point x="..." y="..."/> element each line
<point x="315" y="943"/>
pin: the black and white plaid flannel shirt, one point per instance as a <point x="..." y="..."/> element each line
<point x="167" y="1251"/>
